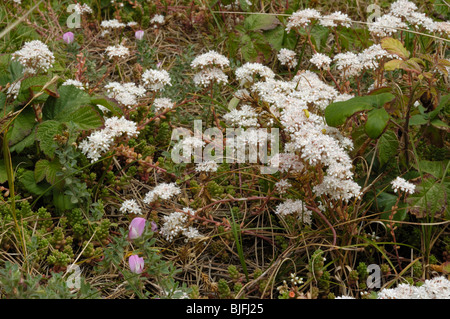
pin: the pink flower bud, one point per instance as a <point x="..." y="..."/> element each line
<point x="139" y="34"/>
<point x="136" y="264"/>
<point x="68" y="37"/>
<point x="136" y="228"/>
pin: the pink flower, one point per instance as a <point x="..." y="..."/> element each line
<point x="139" y="34"/>
<point x="136" y="264"/>
<point x="68" y="37"/>
<point x="154" y="226"/>
<point x="136" y="228"/>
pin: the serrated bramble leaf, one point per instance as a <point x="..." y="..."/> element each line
<point x="70" y="100"/>
<point x="387" y="147"/>
<point x="40" y="170"/>
<point x="86" y="118"/>
<point x="392" y="65"/>
<point x="45" y="134"/>
<point x="394" y="46"/>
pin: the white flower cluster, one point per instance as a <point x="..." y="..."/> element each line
<point x="130" y="206"/>
<point x="287" y="58"/>
<point x="335" y="19"/>
<point x="386" y="25"/>
<point x="401" y="185"/>
<point x="402" y="13"/>
<point x="282" y="186"/>
<point x="112" y="24"/>
<point x="175" y="224"/>
<point x="34" y="56"/>
<point x="14" y="89"/>
<point x="250" y="72"/>
<point x="206" y="166"/>
<point x="352" y="64"/>
<point x="126" y="94"/>
<point x="435" y="288"/>
<point x="82" y="8"/>
<point x="118" y="51"/>
<point x="156" y="80"/>
<point x="244" y="117"/>
<point x="162" y="103"/>
<point x="76" y="83"/>
<point x="302" y="18"/>
<point x="287" y="162"/>
<point x="101" y="141"/>
<point x="157" y="20"/>
<point x="210" y="68"/>
<point x="321" y="61"/>
<point x="310" y="138"/>
<point x="289" y="207"/>
<point x="163" y="191"/>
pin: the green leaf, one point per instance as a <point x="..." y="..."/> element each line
<point x="29" y="183"/>
<point x="34" y="84"/>
<point x="26" y="142"/>
<point x="51" y="176"/>
<point x="233" y="103"/>
<point x="430" y="197"/>
<point x="15" y="70"/>
<point x="3" y="174"/>
<point x="319" y="36"/>
<point x="377" y="120"/>
<point x="62" y="201"/>
<point x="244" y="5"/>
<point x="417" y="119"/>
<point x="40" y="170"/>
<point x="387" y="147"/>
<point x="385" y="202"/>
<point x="439" y="124"/>
<point x="70" y="100"/>
<point x="21" y="126"/>
<point x="337" y="113"/>
<point x="445" y="101"/>
<point x="435" y="168"/>
<point x="86" y="118"/>
<point x="45" y="134"/>
<point x="255" y="22"/>
<point x="248" y="49"/>
<point x="392" y="65"/>
<point x="411" y="65"/>
<point x="109" y="104"/>
<point x="275" y="37"/>
<point x="394" y="46"/>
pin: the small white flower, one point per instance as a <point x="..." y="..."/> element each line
<point x="35" y="57"/>
<point x="210" y="59"/>
<point x="287" y="58"/>
<point x="282" y="185"/>
<point x="302" y="18"/>
<point x="321" y="61"/>
<point x="163" y="191"/>
<point x="400" y="184"/>
<point x="206" y="166"/>
<point x="112" y="24"/>
<point x="119" y="51"/>
<point x="130" y="206"/>
<point x="156" y="80"/>
<point x="76" y="83"/>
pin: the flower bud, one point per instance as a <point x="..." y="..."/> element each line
<point x="139" y="34"/>
<point x="136" y="264"/>
<point x="136" y="228"/>
<point x="68" y="37"/>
